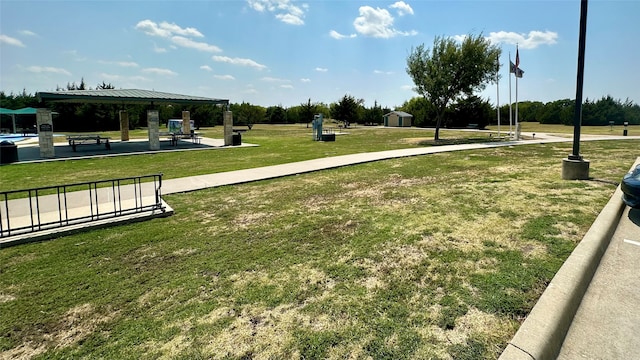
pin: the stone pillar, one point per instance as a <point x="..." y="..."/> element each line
<point x="186" y="122"/>
<point x="124" y="125"/>
<point x="153" y="124"/>
<point x="228" y="128"/>
<point x="45" y="133"/>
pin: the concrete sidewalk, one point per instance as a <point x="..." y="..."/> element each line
<point x="193" y="183"/>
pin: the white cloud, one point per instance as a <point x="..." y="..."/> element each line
<point x="290" y="19"/>
<point x="175" y="29"/>
<point x="336" y="35"/>
<point x="459" y="38"/>
<point x="28" y="33"/>
<point x="272" y="79"/>
<point x="286" y="86"/>
<point x="4" y="39"/>
<point x="319" y="69"/>
<point x="166" y="30"/>
<point x="380" y="72"/>
<point x="159" y="71"/>
<point x="48" y="69"/>
<point x="158" y="49"/>
<point x="284" y="9"/>
<point x="206" y="68"/>
<point x="377" y="23"/>
<point x="177" y="35"/>
<point x="402" y="8"/>
<point x="526" y="41"/>
<point x="239" y="61"/>
<point x="224" y="77"/>
<point x="127" y="63"/>
<point x="188" y="43"/>
<point x="120" y="63"/>
<point x="406" y="87"/>
<point x="305" y="80"/>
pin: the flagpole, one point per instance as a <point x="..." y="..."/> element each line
<point x="517" y="67"/>
<point x="498" y="94"/>
<point x="510" y="111"/>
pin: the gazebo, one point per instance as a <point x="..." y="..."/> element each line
<point x="122" y="96"/>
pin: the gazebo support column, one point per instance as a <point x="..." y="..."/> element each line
<point x="228" y="128"/>
<point x="186" y="122"/>
<point x="124" y="125"/>
<point x="153" y="124"/>
<point x="44" y="122"/>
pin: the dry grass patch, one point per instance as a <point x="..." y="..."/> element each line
<point x="75" y="325"/>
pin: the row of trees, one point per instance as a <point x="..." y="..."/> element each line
<point x="459" y="114"/>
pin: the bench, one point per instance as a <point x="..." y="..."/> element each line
<point x="75" y="140"/>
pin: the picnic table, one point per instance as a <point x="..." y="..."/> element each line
<point x="174" y="137"/>
<point x="75" y="140"/>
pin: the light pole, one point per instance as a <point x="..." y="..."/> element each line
<point x="574" y="167"/>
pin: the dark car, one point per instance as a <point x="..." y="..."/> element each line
<point x="631" y="188"/>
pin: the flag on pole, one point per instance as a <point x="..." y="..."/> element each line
<point x="512" y="67"/>
<point x="517" y="58"/>
<point x="519" y="72"/>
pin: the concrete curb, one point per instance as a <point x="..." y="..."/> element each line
<point x="542" y="333"/>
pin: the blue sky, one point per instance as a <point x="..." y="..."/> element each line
<point x="271" y="52"/>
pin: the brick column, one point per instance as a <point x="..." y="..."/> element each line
<point x="124" y="125"/>
<point x="186" y="122"/>
<point x="45" y="133"/>
<point x="153" y="124"/>
<point x="228" y="128"/>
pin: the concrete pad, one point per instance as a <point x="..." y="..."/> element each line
<point x="76" y="228"/>
<point x="29" y="152"/>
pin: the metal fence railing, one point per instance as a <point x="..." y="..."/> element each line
<point x="37" y="209"/>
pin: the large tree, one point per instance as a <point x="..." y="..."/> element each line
<point x="451" y="69"/>
<point x="346" y="110"/>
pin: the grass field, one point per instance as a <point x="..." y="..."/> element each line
<point x="439" y="256"/>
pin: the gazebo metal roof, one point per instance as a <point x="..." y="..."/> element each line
<point x="126" y="96"/>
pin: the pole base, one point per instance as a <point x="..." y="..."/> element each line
<point x="575" y="169"/>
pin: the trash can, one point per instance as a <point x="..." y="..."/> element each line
<point x="236" y="139"/>
<point x="8" y="152"/>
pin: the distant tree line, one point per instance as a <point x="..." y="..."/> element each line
<point x="348" y="110"/>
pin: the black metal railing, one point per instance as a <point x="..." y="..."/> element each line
<point x="37" y="209"/>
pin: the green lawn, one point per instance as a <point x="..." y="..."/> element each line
<point x="439" y="256"/>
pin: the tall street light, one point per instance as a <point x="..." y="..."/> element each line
<point x="574" y="167"/>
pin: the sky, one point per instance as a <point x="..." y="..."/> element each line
<point x="284" y="52"/>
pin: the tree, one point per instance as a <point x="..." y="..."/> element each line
<point x="307" y="111"/>
<point x="450" y="70"/>
<point x="276" y="115"/>
<point x="373" y="116"/>
<point x="422" y="110"/>
<point x="346" y="110"/>
<point x="471" y="110"/>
